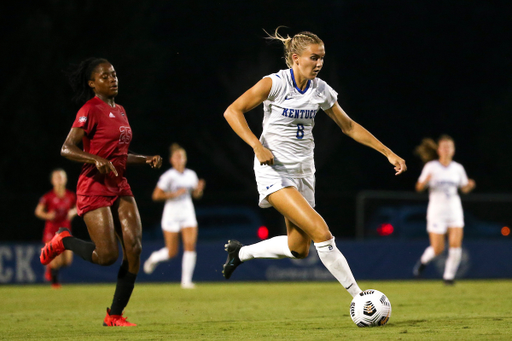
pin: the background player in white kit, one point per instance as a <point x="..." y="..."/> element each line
<point x="284" y="164"/>
<point x="176" y="187"/>
<point x="443" y="177"/>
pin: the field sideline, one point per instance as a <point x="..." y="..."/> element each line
<point x="422" y="310"/>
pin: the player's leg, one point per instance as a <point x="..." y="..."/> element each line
<point x="128" y="228"/>
<point x="301" y="216"/>
<point x="103" y="249"/>
<point x="188" y="263"/>
<point x="455" y="235"/>
<point x="63" y="260"/>
<point x="167" y="252"/>
<point x="278" y="247"/>
<point x="436" y="232"/>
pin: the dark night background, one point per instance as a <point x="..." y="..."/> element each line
<point x="403" y="69"/>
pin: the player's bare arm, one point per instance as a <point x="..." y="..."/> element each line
<point x="161" y="195"/>
<point x="357" y="132"/>
<point x="234" y="114"/>
<point x="154" y="161"/>
<point x="469" y="187"/>
<point x="71" y="151"/>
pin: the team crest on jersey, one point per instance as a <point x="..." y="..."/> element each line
<point x="82" y="119"/>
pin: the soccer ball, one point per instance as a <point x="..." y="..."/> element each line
<point x="370" y="308"/>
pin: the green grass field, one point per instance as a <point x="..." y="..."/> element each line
<point x="422" y="310"/>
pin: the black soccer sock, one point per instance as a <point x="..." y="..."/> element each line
<point x="55" y="276"/>
<point x="80" y="247"/>
<point x="124" y="288"/>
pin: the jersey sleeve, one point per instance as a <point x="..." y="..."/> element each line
<point x="196" y="179"/>
<point x="425" y="172"/>
<point x="44" y="200"/>
<point x="463" y="177"/>
<point x="328" y="95"/>
<point x="277" y="85"/>
<point x="85" y="119"/>
<point x="164" y="183"/>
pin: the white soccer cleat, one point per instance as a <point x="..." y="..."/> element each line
<point x="149" y="266"/>
<point x="188" y="285"/>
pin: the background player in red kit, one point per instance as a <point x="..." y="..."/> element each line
<point x="57" y="208"/>
<point x="104" y="197"/>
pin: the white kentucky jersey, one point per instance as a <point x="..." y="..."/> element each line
<point x="443" y="186"/>
<point x="171" y="181"/>
<point x="289" y="118"/>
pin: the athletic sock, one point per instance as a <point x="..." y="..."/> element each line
<point x="159" y="256"/>
<point x="55" y="276"/>
<point x="80" y="247"/>
<point x="335" y="262"/>
<point x="273" y="248"/>
<point x="452" y="263"/>
<point x="188" y="263"/>
<point x="428" y="255"/>
<point x="124" y="288"/>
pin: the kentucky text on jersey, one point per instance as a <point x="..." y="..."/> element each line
<point x="296" y="113"/>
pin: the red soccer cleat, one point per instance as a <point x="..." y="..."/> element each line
<point x="54" y="247"/>
<point x="116" y="321"/>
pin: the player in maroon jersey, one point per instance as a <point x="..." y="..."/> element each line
<point x="104" y="197"/>
<point x="57" y="208"/>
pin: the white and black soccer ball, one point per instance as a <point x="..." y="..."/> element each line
<point x="370" y="308"/>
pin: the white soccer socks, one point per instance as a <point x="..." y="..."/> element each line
<point x="428" y="255"/>
<point x="155" y="258"/>
<point x="160" y="256"/>
<point x="273" y="248"/>
<point x="188" y="263"/>
<point x="452" y="263"/>
<point x="336" y="263"/>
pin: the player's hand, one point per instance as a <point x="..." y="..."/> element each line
<point x="398" y="162"/>
<point x="469" y="187"/>
<point x="154" y="161"/>
<point x="104" y="166"/>
<point x="265" y="156"/>
<point x="200" y="185"/>
<point x="50" y="215"/>
<point x="179" y="192"/>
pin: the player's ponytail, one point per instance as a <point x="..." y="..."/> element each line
<point x="296" y="44"/>
<point x="80" y="76"/>
<point x="427" y="150"/>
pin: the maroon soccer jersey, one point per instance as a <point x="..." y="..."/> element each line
<point x="107" y="134"/>
<point x="61" y="207"/>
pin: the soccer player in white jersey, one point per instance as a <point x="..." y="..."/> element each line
<point x="283" y="162"/>
<point x="176" y="187"/>
<point x="443" y="177"/>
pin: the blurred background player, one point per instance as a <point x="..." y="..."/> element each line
<point x="284" y="161"/>
<point x="57" y="208"/>
<point x="176" y="187"/>
<point x="104" y="197"/>
<point x="445" y="216"/>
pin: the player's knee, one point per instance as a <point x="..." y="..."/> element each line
<point x="135" y="249"/>
<point x="107" y="258"/>
<point x="300" y="255"/>
<point x="438" y="250"/>
<point x="172" y="253"/>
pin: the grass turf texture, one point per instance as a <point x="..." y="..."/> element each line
<point x="422" y="310"/>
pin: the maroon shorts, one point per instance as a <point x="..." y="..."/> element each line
<point x="86" y="203"/>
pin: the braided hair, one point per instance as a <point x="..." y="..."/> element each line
<point x="79" y="79"/>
